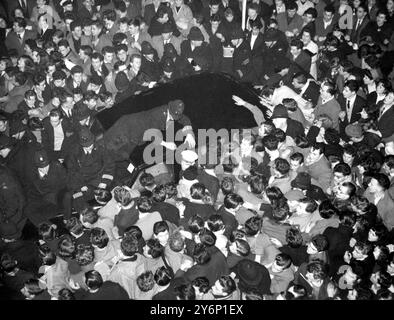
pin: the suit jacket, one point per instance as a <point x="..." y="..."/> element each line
<point x="13" y="4"/>
<point x="358" y="105"/>
<point x="258" y="47"/>
<point x="48" y="141"/>
<point x="158" y="44"/>
<point x="385" y="123"/>
<point x="104" y="40"/>
<point x="321" y="31"/>
<point x="13" y="42"/>
<point x="46" y="36"/>
<point x="201" y="55"/>
<point x="355" y="35"/>
<point x="312" y="92"/>
<point x="296" y="22"/>
<point x="385" y="208"/>
<point x="85" y="41"/>
<point x="301" y="63"/>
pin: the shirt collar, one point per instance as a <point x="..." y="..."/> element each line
<point x="352" y="99"/>
<point x="169" y="116"/>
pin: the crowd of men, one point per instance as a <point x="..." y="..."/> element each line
<point x="300" y="207"/>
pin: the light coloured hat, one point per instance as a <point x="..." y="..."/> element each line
<point x="189" y="155"/>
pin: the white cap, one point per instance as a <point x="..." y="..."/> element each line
<point x="189" y="155"/>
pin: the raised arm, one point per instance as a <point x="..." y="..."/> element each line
<point x="257" y="113"/>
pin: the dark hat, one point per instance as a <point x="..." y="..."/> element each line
<point x="41" y="159"/>
<point x="280" y="111"/>
<point x="195" y="34"/>
<point x="82" y="112"/>
<point x="121" y="81"/>
<point x="9" y="231"/>
<point x="168" y="65"/>
<point x="5" y="141"/>
<point x="16" y="126"/>
<point x="253" y="275"/>
<point x="169" y="51"/>
<point x="354" y="130"/>
<point x="176" y="107"/>
<point x="59" y="75"/>
<point x="237" y="34"/>
<point x="86" y="138"/>
<point x="167" y="28"/>
<point x="302" y="181"/>
<point x="271" y="35"/>
<point x="146" y="48"/>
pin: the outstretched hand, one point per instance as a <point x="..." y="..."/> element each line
<point x="238" y="101"/>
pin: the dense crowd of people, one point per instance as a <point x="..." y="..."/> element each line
<point x="300" y="207"/>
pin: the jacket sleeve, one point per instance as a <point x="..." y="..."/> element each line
<point x="108" y="169"/>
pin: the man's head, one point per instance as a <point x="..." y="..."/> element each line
<point x="224" y="286"/>
<point x="291" y="9"/>
<point x="379" y="183"/>
<point x="299" y="80"/>
<point x="345" y="191"/>
<point x="296" y="46"/>
<point x="350" y="89"/>
<point x="328" y="13"/>
<point x="176" y="108"/>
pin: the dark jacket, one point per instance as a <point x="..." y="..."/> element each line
<point x="48" y="139"/>
<point x="338" y="239"/>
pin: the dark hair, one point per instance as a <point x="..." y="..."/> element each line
<point x="311" y="204"/>
<point x="280" y="209"/>
<point x="66" y="247"/>
<point x="215" y="223"/>
<point x="200" y="254"/>
<point x="352" y="85"/>
<point x="294" y="237"/>
<point x="145" y="281"/>
<point x="253" y="226"/>
<point x="327" y="209"/>
<point x="159" y="193"/>
<point x="297" y="156"/>
<point x="99" y="237"/>
<point x="207" y="237"/>
<point x="318" y="268"/>
<point x="129" y="246"/>
<point x="144" y="204"/>
<point x="382" y="180"/>
<point x="332" y="136"/>
<point x="160" y="226"/>
<point x="283" y="260"/>
<point x="195" y="224"/>
<point x="232" y="200"/>
<point x="320" y="241"/>
<point x="297" y="43"/>
<point x="184" y="291"/>
<point x="84" y="254"/>
<point x="228" y="284"/>
<point x="156" y="250"/>
<point x="202" y="283"/>
<point x="65" y="294"/>
<point x="227" y="185"/>
<point x="93" y="279"/>
<point x="282" y="166"/>
<point x="89" y="215"/>
<point x="163" y="276"/>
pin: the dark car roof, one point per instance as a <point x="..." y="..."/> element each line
<point x="207" y="97"/>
